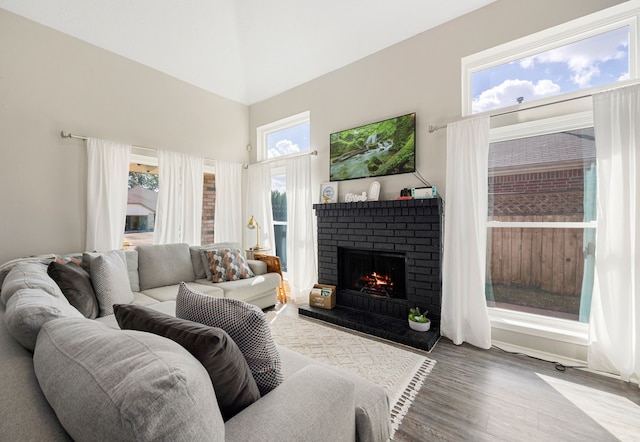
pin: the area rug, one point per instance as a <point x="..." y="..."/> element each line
<point x="401" y="372"/>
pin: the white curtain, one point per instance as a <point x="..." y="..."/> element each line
<point x="614" y="336"/>
<point x="464" y="309"/>
<point x="301" y="254"/>
<point x="107" y="178"/>
<point x="259" y="205"/>
<point x="228" y="222"/>
<point x="179" y="214"/>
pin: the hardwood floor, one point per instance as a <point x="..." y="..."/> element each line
<point x="482" y="395"/>
<point x="492" y="395"/>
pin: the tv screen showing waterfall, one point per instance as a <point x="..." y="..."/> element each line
<point x="387" y="147"/>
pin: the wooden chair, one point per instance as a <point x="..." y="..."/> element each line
<point x="273" y="266"/>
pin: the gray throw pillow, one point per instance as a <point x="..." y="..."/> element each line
<point x="76" y="286"/>
<point x="227" y="264"/>
<point x="29" y="309"/>
<point x="228" y="370"/>
<point x="110" y="384"/>
<point x="247" y="326"/>
<point x="111" y="281"/>
<point x="29" y="275"/>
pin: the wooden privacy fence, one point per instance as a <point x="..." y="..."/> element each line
<point x="549" y="259"/>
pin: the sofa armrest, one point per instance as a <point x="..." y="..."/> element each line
<point x="257" y="267"/>
<point x="314" y="404"/>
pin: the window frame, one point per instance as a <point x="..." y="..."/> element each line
<point x="277" y="167"/>
<point x="561" y="35"/>
<point x="264" y="131"/>
<point x="149" y="157"/>
<point x="558" y="116"/>
<point x="539" y="325"/>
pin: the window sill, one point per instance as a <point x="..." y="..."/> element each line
<point x="571" y="332"/>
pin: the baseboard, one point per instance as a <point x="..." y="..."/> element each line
<point x="546" y="356"/>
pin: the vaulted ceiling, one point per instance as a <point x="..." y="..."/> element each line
<point x="244" y="50"/>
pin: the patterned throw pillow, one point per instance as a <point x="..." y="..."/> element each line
<point x="228" y="265"/>
<point x="247" y="326"/>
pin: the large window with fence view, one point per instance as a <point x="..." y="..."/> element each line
<point x="541" y="223"/>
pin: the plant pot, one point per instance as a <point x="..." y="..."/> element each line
<point x="419" y="326"/>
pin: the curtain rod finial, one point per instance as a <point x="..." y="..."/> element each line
<point x="64" y="134"/>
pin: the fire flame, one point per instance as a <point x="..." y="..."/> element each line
<point x="375" y="280"/>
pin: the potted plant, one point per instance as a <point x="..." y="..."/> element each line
<point x="418" y="321"/>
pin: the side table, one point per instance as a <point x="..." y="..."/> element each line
<point x="273" y="266"/>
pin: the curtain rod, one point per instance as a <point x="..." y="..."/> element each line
<point x="64" y="134"/>
<point x="294" y="155"/>
<point x="513" y="111"/>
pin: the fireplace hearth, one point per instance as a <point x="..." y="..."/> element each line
<point x="384" y="258"/>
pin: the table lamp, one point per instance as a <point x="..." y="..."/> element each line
<point x="253" y="224"/>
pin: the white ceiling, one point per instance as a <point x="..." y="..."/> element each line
<point x="244" y="50"/>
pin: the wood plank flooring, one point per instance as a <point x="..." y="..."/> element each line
<point x="491" y="395"/>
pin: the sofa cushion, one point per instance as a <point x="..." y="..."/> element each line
<point x="111" y="281"/>
<point x="169" y="292"/>
<point x="29" y="275"/>
<point x="29" y="309"/>
<point x="230" y="375"/>
<point x="245" y="323"/>
<point x="227" y="265"/>
<point x="132" y="269"/>
<point x="124" y="385"/>
<point x="164" y="264"/>
<point x="76" y="286"/>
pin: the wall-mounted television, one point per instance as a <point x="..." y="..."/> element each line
<point x="387" y="147"/>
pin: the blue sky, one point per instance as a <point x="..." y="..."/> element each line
<point x="285" y="142"/>
<point x="591" y="62"/>
<point x="288" y="141"/>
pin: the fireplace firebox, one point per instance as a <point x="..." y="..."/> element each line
<point x="372" y="273"/>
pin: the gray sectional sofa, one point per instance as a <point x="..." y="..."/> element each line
<point x="313" y="402"/>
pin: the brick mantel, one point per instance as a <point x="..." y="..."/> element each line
<point x="410" y="227"/>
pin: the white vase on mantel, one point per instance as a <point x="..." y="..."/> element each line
<point x="419" y="326"/>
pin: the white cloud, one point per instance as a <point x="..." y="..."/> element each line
<point x="583" y="57"/>
<point x="507" y="94"/>
<point x="283" y="147"/>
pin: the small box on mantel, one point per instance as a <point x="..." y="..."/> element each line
<point x="323" y="296"/>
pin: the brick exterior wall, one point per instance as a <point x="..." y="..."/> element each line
<point x="536" y="194"/>
<point x="208" y="209"/>
<point x="552" y="181"/>
<point x="410" y="227"/>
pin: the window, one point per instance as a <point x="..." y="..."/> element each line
<point x="143" y="200"/>
<point x="141" y="204"/>
<point x="279" y="208"/>
<point x="541" y="220"/>
<point x="284" y="137"/>
<point x="587" y="54"/>
<point x="278" y="140"/>
<point x="542" y="170"/>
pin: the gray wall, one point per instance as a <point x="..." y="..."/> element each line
<point x="50" y="82"/>
<point x="421" y="74"/>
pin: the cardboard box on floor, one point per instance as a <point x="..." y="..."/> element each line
<point x="323" y="296"/>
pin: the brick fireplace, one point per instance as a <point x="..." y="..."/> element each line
<point x="384" y="258"/>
